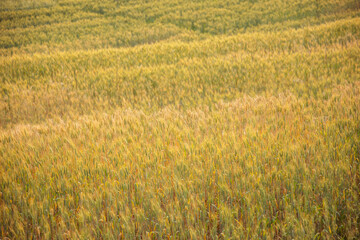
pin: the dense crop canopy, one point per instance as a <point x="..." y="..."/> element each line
<point x="180" y="119"/>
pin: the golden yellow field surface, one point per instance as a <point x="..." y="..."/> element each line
<point x="179" y="119"/>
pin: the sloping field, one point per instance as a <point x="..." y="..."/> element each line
<point x="180" y="119"/>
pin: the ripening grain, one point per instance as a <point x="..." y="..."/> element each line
<point x="180" y="119"/>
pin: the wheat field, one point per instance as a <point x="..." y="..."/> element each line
<point x="179" y="119"/>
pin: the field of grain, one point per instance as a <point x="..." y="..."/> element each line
<point x="179" y="119"/>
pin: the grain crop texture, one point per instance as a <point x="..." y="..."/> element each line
<point x="179" y="119"/>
